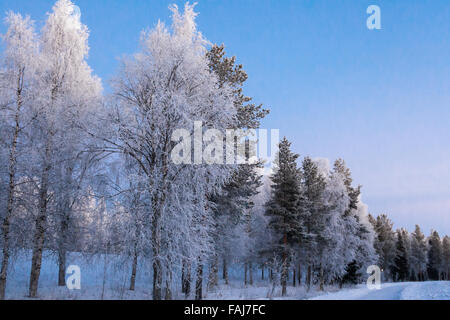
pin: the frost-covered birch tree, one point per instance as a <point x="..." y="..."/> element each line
<point x="168" y="86"/>
<point x="68" y="90"/>
<point x="17" y="87"/>
<point x="333" y="250"/>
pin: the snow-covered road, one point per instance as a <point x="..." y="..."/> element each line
<point x="431" y="290"/>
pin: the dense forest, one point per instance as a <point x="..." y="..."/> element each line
<point x="86" y="171"/>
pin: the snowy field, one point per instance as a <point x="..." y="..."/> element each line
<point x="107" y="277"/>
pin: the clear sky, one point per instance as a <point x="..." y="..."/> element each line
<point x="379" y="99"/>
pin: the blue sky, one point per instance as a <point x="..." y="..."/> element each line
<point x="379" y="99"/>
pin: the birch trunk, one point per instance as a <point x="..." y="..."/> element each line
<point x="321" y="278"/>
<point x="293" y="277"/>
<point x="186" y="279"/>
<point x="156" y="244"/>
<point x="199" y="282"/>
<point x="39" y="236"/>
<point x="308" y="277"/>
<point x="134" y="268"/>
<point x="245" y="273"/>
<point x="225" y="271"/>
<point x="213" y="270"/>
<point x="11" y="187"/>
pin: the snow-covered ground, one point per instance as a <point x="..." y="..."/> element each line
<point x="108" y="276"/>
<point x="102" y="277"/>
<point x="430" y="290"/>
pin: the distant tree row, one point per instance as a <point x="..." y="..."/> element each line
<point x="408" y="256"/>
<point x="319" y="222"/>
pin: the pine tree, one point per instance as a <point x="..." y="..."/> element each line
<point x="418" y="258"/>
<point x="352" y="274"/>
<point x="401" y="268"/>
<point x="372" y="221"/>
<point x="234" y="201"/>
<point x="232" y="214"/>
<point x="283" y="207"/>
<point x="446" y="257"/>
<point x="248" y="114"/>
<point x="310" y="216"/>
<point x="434" y="266"/>
<point x="407" y="242"/>
<point x="385" y="244"/>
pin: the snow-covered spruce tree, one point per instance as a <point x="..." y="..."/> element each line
<point x="67" y="91"/>
<point x="283" y="207"/>
<point x="310" y="219"/>
<point x="434" y="266"/>
<point x="360" y="234"/>
<point x="372" y="220"/>
<point x="167" y="86"/>
<point x="324" y="221"/>
<point x="353" y="193"/>
<point x="234" y="201"/>
<point x="350" y="224"/>
<point x="334" y="250"/>
<point x="385" y="245"/>
<point x="365" y="253"/>
<point x="407" y="242"/>
<point x="17" y="83"/>
<point x="418" y="256"/>
<point x="446" y="257"/>
<point x="401" y="263"/>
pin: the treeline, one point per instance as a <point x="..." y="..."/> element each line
<point x="408" y="256"/>
<point x="82" y="171"/>
<point x="319" y="222"/>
